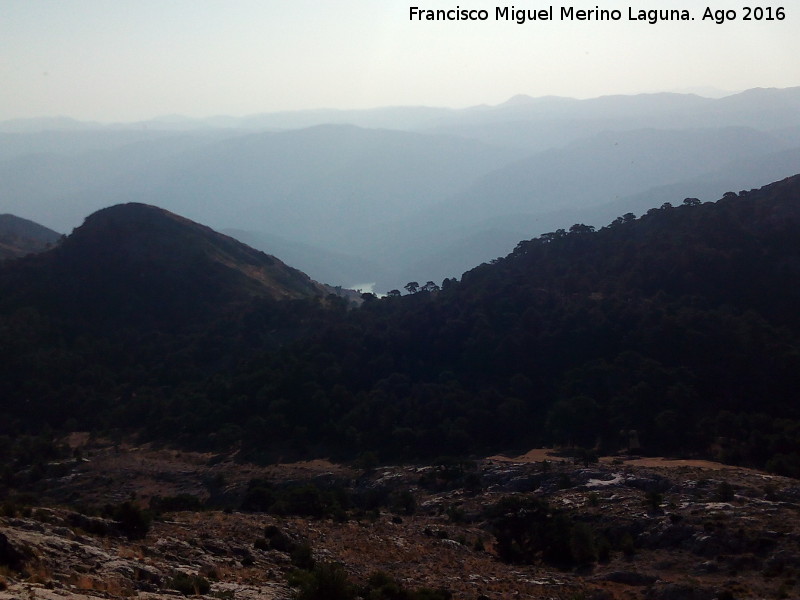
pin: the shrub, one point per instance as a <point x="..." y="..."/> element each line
<point x="259" y="496"/>
<point x="190" y="585"/>
<point x="456" y="514"/>
<point x="181" y="502"/>
<point x="132" y="521"/>
<point x="277" y="540"/>
<point x="582" y="544"/>
<point x="303" y="557"/>
<point x="653" y="500"/>
<point x="603" y="549"/>
<point x="564" y="482"/>
<point x="627" y="545"/>
<point x="381" y="586"/>
<point x="261" y="544"/>
<point x="305" y="500"/>
<point x="403" y="503"/>
<point x="328" y="581"/>
<point x="725" y="492"/>
<point x="527" y="528"/>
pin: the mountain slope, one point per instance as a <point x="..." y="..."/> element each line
<point x="680" y="326"/>
<point x="603" y="168"/>
<point x="320" y="263"/>
<point x="19" y="237"/>
<point x="136" y="263"/>
<point x="136" y="303"/>
<point x="740" y="250"/>
<point x="591" y="181"/>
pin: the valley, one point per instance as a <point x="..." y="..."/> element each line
<point x="605" y="411"/>
<point x="356" y="301"/>
<point x="406" y="193"/>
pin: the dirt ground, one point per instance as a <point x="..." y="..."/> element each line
<point x="548" y="454"/>
<point x="684" y="537"/>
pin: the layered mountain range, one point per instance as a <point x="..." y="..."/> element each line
<point x="400" y="194"/>
<point x="677" y="329"/>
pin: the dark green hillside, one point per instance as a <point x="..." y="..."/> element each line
<point x="136" y="299"/>
<point x="678" y="329"/>
<point x="135" y="264"/>
<point x="680" y="325"/>
<point x="19" y="237"/>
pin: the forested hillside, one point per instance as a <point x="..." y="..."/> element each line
<point x="679" y="325"/>
<point x="675" y="332"/>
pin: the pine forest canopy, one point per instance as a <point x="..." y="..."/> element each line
<point x="679" y="325"/>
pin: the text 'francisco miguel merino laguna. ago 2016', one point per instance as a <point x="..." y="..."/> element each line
<point x="570" y="13"/>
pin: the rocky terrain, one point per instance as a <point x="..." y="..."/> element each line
<point x="660" y="530"/>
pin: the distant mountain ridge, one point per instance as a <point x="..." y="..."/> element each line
<point x="693" y="109"/>
<point x="19" y="237"/>
<point x="410" y="193"/>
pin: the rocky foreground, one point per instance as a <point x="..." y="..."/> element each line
<point x="657" y="529"/>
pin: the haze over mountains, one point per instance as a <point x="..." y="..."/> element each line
<point x="680" y="324"/>
<point x="19" y="237"/>
<point x="406" y="193"/>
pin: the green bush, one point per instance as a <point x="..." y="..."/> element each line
<point x="582" y="544"/>
<point x="653" y="500"/>
<point x="132" y="520"/>
<point x="403" y="503"/>
<point x="302" y="556"/>
<point x="181" y="502"/>
<point x="328" y="581"/>
<point x="380" y="586"/>
<point x="277" y="540"/>
<point x="190" y="585"/>
<point x="529" y="529"/>
<point x="261" y="544"/>
<point x="305" y="500"/>
<point x="724" y="492"/>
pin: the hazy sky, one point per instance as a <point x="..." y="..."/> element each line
<point x="135" y="59"/>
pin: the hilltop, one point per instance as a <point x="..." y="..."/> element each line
<point x="136" y="296"/>
<point x="19" y="237"/>
<point x="139" y="264"/>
